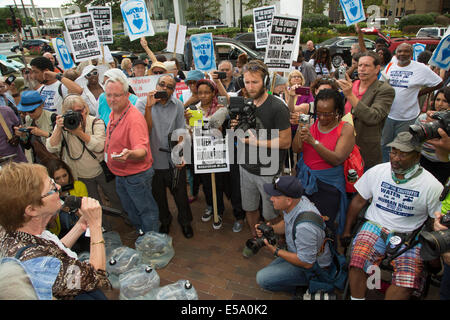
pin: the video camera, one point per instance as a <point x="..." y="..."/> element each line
<point x="429" y="130"/>
<point x="72" y="120"/>
<point x="254" y="244"/>
<point x="435" y="243"/>
<point x="246" y="110"/>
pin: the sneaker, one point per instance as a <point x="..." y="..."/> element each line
<point x="237" y="226"/>
<point x="217" y="225"/>
<point x="207" y="215"/>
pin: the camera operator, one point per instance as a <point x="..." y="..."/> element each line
<point x="403" y="196"/>
<point x="274" y="116"/>
<point x="80" y="142"/>
<point x="304" y="256"/>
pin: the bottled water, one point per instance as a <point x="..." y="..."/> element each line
<point x="137" y="282"/>
<point x="155" y="248"/>
<point x="122" y="259"/>
<point x="180" y="290"/>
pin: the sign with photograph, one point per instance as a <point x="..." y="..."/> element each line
<point x="103" y="23"/>
<point x="83" y="36"/>
<point x="136" y="19"/>
<point x="283" y="41"/>
<point x="262" y="20"/>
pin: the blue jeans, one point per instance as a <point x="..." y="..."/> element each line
<point x="281" y="275"/>
<point x="135" y="193"/>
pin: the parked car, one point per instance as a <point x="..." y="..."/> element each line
<point x="340" y="48"/>
<point x="248" y="39"/>
<point x="392" y="43"/>
<point x="437" y="32"/>
<point x="213" y="26"/>
<point x="225" y="49"/>
<point x="120" y="55"/>
<point x="31" y="44"/>
<point x="6" y="37"/>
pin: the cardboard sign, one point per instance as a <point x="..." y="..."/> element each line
<point x="62" y="54"/>
<point x="179" y="88"/>
<point x="176" y="38"/>
<point x="283" y="42"/>
<point x="353" y="11"/>
<point x="136" y="19"/>
<point x="142" y="85"/>
<point x="103" y="23"/>
<point x="203" y="52"/>
<point x="418" y="48"/>
<point x="210" y="152"/>
<point x="441" y="55"/>
<point x="83" y="36"/>
<point x="262" y="21"/>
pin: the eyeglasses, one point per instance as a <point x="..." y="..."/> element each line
<point x="400" y="155"/>
<point x="158" y="72"/>
<point x="92" y="73"/>
<point x="163" y="85"/>
<point x="52" y="191"/>
<point x="325" y="114"/>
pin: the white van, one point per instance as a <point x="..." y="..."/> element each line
<point x="437" y="32"/>
<point x="213" y="26"/>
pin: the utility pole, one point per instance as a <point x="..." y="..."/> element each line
<point x="234" y="14"/>
<point x="241" y="16"/>
<point x="26" y="19"/>
<point x="36" y="18"/>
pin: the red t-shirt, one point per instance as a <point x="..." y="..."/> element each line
<point x="130" y="131"/>
<point x="310" y="156"/>
<point x="355" y="90"/>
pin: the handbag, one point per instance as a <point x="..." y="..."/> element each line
<point x="354" y="162"/>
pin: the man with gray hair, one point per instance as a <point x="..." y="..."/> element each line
<point x="129" y="157"/>
<point x="410" y="79"/>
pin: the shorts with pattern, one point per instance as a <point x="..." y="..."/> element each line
<point x="369" y="248"/>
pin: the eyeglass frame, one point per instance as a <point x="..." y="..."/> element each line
<point x="165" y="86"/>
<point x="52" y="191"/>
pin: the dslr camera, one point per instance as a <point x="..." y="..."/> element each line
<point x="72" y="120"/>
<point x="246" y="110"/>
<point x="429" y="130"/>
<point x="435" y="243"/>
<point x="255" y="244"/>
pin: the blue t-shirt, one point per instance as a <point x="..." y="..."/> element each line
<point x="104" y="110"/>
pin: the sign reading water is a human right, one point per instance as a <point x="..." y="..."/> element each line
<point x="441" y="55"/>
<point x="262" y="20"/>
<point x="353" y="11"/>
<point x="103" y="23"/>
<point x="283" y="41"/>
<point x="136" y="19"/>
<point x="203" y="52"/>
<point x="83" y="36"/>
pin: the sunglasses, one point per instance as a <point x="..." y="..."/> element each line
<point x="92" y="73"/>
<point x="158" y="72"/>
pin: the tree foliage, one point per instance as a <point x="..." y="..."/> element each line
<point x="114" y="4"/>
<point x="252" y="4"/>
<point x="203" y="10"/>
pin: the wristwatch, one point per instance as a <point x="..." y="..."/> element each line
<point x="58" y="76"/>
<point x="316" y="142"/>
<point x="276" y="252"/>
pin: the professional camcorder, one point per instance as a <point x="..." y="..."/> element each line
<point x="255" y="244"/>
<point x="429" y="130"/>
<point x="246" y="110"/>
<point x="435" y="243"/>
<point x="72" y="120"/>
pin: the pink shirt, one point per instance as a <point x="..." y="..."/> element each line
<point x="130" y="131"/>
<point x="355" y="90"/>
<point x="310" y="156"/>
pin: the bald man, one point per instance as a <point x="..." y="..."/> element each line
<point x="410" y="79"/>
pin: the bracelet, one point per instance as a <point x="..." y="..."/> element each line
<point x="276" y="252"/>
<point x="99" y="242"/>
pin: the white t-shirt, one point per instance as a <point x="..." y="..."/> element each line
<point x="407" y="82"/>
<point x="52" y="98"/>
<point x="47" y="235"/>
<point x="400" y="207"/>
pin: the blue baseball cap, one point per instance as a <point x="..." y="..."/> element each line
<point x="194" y="75"/>
<point x="288" y="186"/>
<point x="29" y="101"/>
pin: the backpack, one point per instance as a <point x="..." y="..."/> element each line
<point x="355" y="162"/>
<point x="325" y="280"/>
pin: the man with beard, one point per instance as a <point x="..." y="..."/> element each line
<point x="403" y="196"/>
<point x="272" y="139"/>
<point x="410" y="80"/>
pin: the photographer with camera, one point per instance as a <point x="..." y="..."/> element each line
<point x="271" y="118"/>
<point x="403" y="196"/>
<point x="306" y="253"/>
<point x="164" y="115"/>
<point x="80" y="138"/>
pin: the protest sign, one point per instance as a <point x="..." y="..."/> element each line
<point x="283" y="42"/>
<point x="210" y="151"/>
<point x="136" y="19"/>
<point x="176" y="38"/>
<point x="142" y="85"/>
<point x="83" y="36"/>
<point x="179" y="88"/>
<point x="418" y="48"/>
<point x="262" y="20"/>
<point x="103" y="23"/>
<point x="441" y="55"/>
<point x="353" y="11"/>
<point x="203" y="52"/>
<point x="62" y="54"/>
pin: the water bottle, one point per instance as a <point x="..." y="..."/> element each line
<point x="122" y="259"/>
<point x="352" y="176"/>
<point x="180" y="290"/>
<point x="155" y="249"/>
<point x="137" y="282"/>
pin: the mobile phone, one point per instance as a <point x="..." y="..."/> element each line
<point x="161" y="95"/>
<point x="116" y="155"/>
<point x="192" y="107"/>
<point x="23" y="129"/>
<point x="341" y="73"/>
<point x="304" y="91"/>
<point x="10" y="79"/>
<point x="222" y="100"/>
<point x="221" y="74"/>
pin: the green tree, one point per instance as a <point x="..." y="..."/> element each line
<point x="315" y="6"/>
<point x="252" y="4"/>
<point x="114" y="4"/>
<point x="5" y="13"/>
<point x="202" y="10"/>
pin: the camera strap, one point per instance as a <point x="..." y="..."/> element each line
<point x="5" y="127"/>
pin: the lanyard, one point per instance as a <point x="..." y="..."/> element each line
<point x="112" y="127"/>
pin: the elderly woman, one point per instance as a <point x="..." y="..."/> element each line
<point x="82" y="149"/>
<point x="29" y="200"/>
<point x="127" y="67"/>
<point x="325" y="146"/>
<point x="296" y="80"/>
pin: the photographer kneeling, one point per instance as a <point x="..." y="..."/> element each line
<point x="82" y="138"/>
<point x="304" y="256"/>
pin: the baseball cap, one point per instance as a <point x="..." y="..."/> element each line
<point x="139" y="61"/>
<point x="29" y="100"/>
<point x="403" y="142"/>
<point x="288" y="186"/>
<point x="194" y="75"/>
